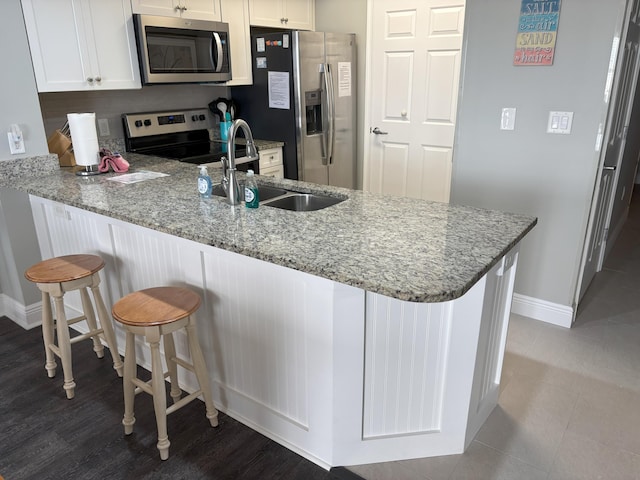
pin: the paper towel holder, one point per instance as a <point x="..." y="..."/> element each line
<point x="86" y="170"/>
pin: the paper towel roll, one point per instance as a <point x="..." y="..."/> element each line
<point x="84" y="138"/>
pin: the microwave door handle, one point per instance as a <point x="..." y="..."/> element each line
<point x="216" y="38"/>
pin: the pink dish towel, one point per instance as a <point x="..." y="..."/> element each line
<point x="113" y="161"/>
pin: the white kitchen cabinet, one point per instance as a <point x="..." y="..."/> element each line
<point x="271" y="162"/>
<point x="193" y="9"/>
<point x="291" y="14"/>
<point x="82" y="44"/>
<point x="236" y="14"/>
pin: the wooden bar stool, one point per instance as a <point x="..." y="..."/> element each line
<point x="54" y="277"/>
<point x="155" y="313"/>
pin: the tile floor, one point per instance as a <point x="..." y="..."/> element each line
<point x="570" y="401"/>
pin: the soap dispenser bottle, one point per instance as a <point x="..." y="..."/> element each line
<point x="251" y="199"/>
<point x="204" y="182"/>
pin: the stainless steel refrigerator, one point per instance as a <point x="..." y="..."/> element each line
<point x="303" y="94"/>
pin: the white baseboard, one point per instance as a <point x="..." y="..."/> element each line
<point x="561" y="315"/>
<point x="27" y="317"/>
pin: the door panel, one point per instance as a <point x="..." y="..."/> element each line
<point x="627" y="69"/>
<point x="414" y="91"/>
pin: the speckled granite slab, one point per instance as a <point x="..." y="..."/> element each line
<point x="404" y="248"/>
<point x="27" y="167"/>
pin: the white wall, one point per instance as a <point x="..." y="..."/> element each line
<point x="350" y="16"/>
<point x="528" y="170"/>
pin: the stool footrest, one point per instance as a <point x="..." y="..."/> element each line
<point x="147" y="385"/>
<point x="71" y="321"/>
<point x="183" y="364"/>
<point x="84" y="336"/>
<point x="183" y="401"/>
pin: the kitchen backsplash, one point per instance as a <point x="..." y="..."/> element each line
<point x="111" y="104"/>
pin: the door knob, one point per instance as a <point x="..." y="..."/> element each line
<point x="377" y="131"/>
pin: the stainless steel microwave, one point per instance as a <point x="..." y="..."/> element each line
<point x="179" y="50"/>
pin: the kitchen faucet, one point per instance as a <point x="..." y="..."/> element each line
<point x="229" y="179"/>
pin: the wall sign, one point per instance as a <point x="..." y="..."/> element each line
<point x="537" y="31"/>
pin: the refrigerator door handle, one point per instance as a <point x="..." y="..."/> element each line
<point x="328" y="79"/>
<point x="216" y="38"/>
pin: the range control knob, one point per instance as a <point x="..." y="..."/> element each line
<point x="202" y="117"/>
<point x="147" y="122"/>
<point x="194" y="118"/>
<point x="138" y="123"/>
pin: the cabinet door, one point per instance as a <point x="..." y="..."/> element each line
<point x="236" y="14"/>
<point x="299" y="14"/>
<point x="201" y="9"/>
<point x="292" y="14"/>
<point x="58" y="49"/>
<point x="114" y="59"/>
<point x="194" y="9"/>
<point x="82" y="44"/>
<point x="266" y="13"/>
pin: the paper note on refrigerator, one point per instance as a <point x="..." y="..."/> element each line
<point x="279" y="90"/>
<point x="344" y="79"/>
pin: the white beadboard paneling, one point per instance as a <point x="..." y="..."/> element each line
<point x="406" y="344"/>
<point x="262" y="334"/>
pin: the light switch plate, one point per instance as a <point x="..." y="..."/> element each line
<point x="103" y="127"/>
<point x="508" y="119"/>
<point x="560" y="122"/>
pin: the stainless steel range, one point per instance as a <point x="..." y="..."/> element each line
<point x="178" y="134"/>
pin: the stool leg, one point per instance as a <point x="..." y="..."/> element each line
<point x="64" y="345"/>
<point x="159" y="398"/>
<point x="107" y="326"/>
<point x="169" y="355"/>
<point x="201" y="371"/>
<point x="91" y="321"/>
<point x="47" y="335"/>
<point x="127" y="383"/>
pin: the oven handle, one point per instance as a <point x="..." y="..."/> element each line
<point x="216" y="37"/>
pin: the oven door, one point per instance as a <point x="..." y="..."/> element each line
<point x="176" y="50"/>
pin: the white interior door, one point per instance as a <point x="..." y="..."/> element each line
<point x="415" y="62"/>
<point x="613" y="149"/>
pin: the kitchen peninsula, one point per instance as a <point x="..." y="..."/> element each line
<point x="369" y="331"/>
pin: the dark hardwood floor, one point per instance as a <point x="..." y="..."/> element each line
<point x="45" y="436"/>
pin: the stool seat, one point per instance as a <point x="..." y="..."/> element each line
<point x="155" y="306"/>
<point x="54" y="277"/>
<point x="64" y="269"/>
<point x="156" y="313"/>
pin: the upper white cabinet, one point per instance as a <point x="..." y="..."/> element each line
<point x="236" y="14"/>
<point x="194" y="9"/>
<point x="291" y="14"/>
<point x="82" y="44"/>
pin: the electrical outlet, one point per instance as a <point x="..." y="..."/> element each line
<point x="103" y="127"/>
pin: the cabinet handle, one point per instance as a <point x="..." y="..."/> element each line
<point x="184" y="9"/>
<point x="286" y="20"/>
<point x="90" y="80"/>
<point x="98" y="79"/>
<point x="177" y="7"/>
<point x="282" y="20"/>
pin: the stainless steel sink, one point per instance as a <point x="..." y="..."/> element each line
<point x="302" y="202"/>
<point x="264" y="192"/>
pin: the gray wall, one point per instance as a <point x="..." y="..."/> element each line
<point x="111" y="104"/>
<point x="19" y="100"/>
<point x="349" y="16"/>
<point x="528" y="170"/>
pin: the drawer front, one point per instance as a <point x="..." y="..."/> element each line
<point x="271" y="157"/>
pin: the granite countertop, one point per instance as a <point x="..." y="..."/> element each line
<point x="404" y="248"/>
